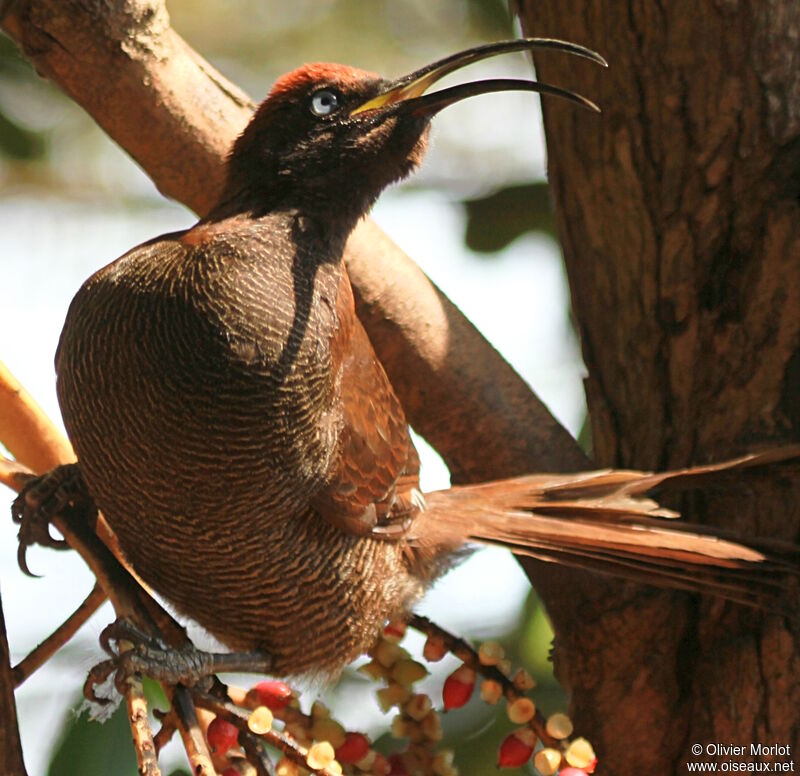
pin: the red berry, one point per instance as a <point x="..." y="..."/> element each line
<point x="273" y="694"/>
<point x="397" y="767"/>
<point x="221" y="735"/>
<point x="354" y="748"/>
<point x="231" y="772"/>
<point x="516" y="749"/>
<point x="458" y="688"/>
<point x="394" y="631"/>
<point x="570" y="771"/>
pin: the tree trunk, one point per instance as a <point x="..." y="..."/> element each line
<point x="11" y="763"/>
<point x="680" y="223"/>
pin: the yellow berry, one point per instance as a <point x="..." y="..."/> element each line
<point x="387" y="653"/>
<point x="414" y="732"/>
<point x="245" y="768"/>
<point x="393" y="695"/>
<point x="491" y="691"/>
<point x="547" y="761"/>
<point x="399" y="727"/>
<point x="287" y="768"/>
<point x="325" y="729"/>
<point x="373" y="669"/>
<point x="523" y="680"/>
<point x="490" y="653"/>
<point x="521" y="711"/>
<point x="260" y="720"/>
<point x="504" y="666"/>
<point x="334" y="767"/>
<point x="367" y="761"/>
<point x="434" y="649"/>
<point x="417" y="706"/>
<point x="407" y="671"/>
<point x="559" y="725"/>
<point x="320" y="755"/>
<point x="319" y="710"/>
<point x="299" y="731"/>
<point x="579" y="753"/>
<point x="443" y="762"/>
<point x="431" y="726"/>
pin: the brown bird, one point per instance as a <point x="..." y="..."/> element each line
<point x="239" y="434"/>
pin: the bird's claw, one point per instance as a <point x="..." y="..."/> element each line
<point x="146" y="656"/>
<point x="40" y="501"/>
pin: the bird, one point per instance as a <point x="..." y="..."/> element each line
<point x="235" y="427"/>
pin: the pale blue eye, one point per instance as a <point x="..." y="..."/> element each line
<point x="324" y="102"/>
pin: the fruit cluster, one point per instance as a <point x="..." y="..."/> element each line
<point x="319" y="744"/>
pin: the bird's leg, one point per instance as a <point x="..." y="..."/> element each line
<point x="60" y="491"/>
<point x="149" y="656"/>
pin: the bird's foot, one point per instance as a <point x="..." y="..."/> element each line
<point x="43" y="498"/>
<point x="149" y="656"/>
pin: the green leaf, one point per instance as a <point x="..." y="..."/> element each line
<point x="94" y="749"/>
<point x="496" y="220"/>
<point x="18" y="142"/>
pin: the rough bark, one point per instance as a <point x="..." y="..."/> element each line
<point x="679" y="217"/>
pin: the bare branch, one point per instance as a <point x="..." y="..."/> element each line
<point x="44" y="651"/>
<point x="146" y="753"/>
<point x="26" y="431"/>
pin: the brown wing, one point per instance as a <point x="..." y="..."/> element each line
<point x="373" y="487"/>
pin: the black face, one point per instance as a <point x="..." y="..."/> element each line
<point x="306" y="148"/>
<point x="329" y="138"/>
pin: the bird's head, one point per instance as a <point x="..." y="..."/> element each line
<point x="329" y="138"/>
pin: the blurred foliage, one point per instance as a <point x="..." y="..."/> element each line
<point x="274" y="35"/>
<point x="17" y="141"/>
<point x="497" y="219"/>
<point x="89" y="748"/>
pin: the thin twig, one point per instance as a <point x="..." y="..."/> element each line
<point x="42" y="653"/>
<point x="466" y="653"/>
<point x="193" y="739"/>
<point x="169" y="724"/>
<point x="143" y="743"/>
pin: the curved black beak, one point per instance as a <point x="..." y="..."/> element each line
<point x="409" y="89"/>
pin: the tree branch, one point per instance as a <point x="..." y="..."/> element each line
<point x="11" y="762"/>
<point x="26" y="431"/>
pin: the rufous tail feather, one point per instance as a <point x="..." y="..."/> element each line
<point x="606" y="521"/>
